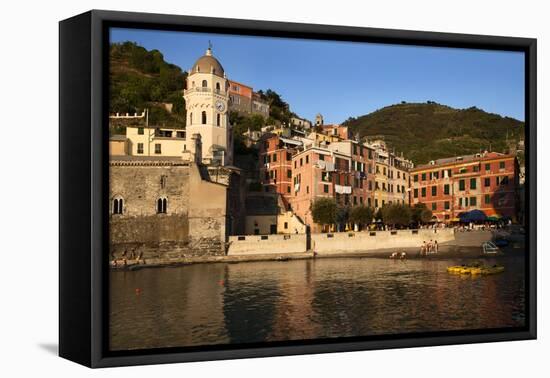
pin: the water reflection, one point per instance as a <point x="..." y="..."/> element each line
<point x="268" y="301"/>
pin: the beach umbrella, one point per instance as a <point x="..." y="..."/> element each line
<point x="473" y="216"/>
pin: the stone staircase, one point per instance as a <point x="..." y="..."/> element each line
<point x="207" y="247"/>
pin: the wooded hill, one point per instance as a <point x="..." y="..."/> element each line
<point x="142" y="79"/>
<point x="429" y="131"/>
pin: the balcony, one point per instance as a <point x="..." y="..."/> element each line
<point x="204" y="90"/>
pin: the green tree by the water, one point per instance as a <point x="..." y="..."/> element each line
<point x="324" y="211"/>
<point x="397" y="215"/>
<point x="421" y="214"/>
<point x="361" y="215"/>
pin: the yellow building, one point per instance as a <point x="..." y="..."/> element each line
<point x="321" y="137"/>
<point x="392" y="182"/>
<point x="118" y="145"/>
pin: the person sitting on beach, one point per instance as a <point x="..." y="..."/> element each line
<point x="403" y="255"/>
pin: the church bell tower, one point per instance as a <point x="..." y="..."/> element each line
<point x="207" y="102"/>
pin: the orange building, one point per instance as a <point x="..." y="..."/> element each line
<point x="342" y="132"/>
<point x="486" y="181"/>
<point x="243" y="99"/>
<point x="275" y="154"/>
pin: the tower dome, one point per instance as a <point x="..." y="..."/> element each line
<point x="208" y="64"/>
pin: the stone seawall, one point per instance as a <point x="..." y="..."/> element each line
<point x="337" y="242"/>
<point x="345" y="242"/>
<point x="267" y="244"/>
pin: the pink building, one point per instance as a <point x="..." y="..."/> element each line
<point x="340" y="172"/>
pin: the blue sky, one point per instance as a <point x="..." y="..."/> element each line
<point x="342" y="79"/>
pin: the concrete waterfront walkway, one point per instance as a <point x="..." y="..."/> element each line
<point x="463" y="245"/>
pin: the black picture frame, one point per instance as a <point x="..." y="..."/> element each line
<point x="83" y="181"/>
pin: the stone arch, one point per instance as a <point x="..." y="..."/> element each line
<point x="162" y="205"/>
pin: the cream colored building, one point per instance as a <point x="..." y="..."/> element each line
<point x="156" y="141"/>
<point x="118" y="145"/>
<point x="266" y="215"/>
<point x="207" y="103"/>
<point x="392" y="181"/>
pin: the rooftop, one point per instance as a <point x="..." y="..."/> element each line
<point x="208" y="64"/>
<point x="463" y="159"/>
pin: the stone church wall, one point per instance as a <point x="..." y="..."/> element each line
<point x="196" y="218"/>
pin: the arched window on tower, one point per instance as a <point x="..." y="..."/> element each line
<point x="118" y="205"/>
<point x="204" y="83"/>
<point x="218" y="87"/>
<point x="203" y="118"/>
<point x="161" y="206"/>
<point x="218" y="117"/>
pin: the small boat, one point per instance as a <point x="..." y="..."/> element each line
<point x="490" y="248"/>
<point x="475" y="269"/>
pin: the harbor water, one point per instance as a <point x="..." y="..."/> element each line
<point x="221" y="303"/>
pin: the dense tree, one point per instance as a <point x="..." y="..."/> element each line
<point x="361" y="215"/>
<point x="396" y="215"/>
<point x="421" y="214"/>
<point x="279" y="110"/>
<point x="242" y="123"/>
<point x="142" y="79"/>
<point x="342" y="216"/>
<point x="323" y="211"/>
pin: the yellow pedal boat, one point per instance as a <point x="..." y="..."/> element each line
<point x="464" y="269"/>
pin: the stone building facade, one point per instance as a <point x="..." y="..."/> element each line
<point x="170" y="207"/>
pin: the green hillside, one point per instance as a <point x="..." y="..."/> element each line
<point x="142" y="79"/>
<point x="430" y="131"/>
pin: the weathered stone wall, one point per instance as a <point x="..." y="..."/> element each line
<point x="149" y="230"/>
<point x="207" y="213"/>
<point x="142" y="185"/>
<point x="196" y="215"/>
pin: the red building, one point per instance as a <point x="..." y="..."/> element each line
<point x="449" y="187"/>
